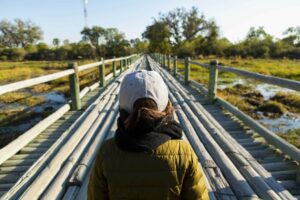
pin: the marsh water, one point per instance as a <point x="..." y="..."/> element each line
<point x="282" y="124"/>
<point x="52" y="101"/>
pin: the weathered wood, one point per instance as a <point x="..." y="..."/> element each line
<point x="175" y="66"/>
<point x="277" y="166"/>
<point x="254" y="181"/>
<point x="34" y="81"/>
<point x="23" y="162"/>
<point x="38" y="185"/>
<point x="284" y="175"/>
<point x="240" y="187"/>
<point x="187" y="71"/>
<point x="74" y="87"/>
<point x="268" y="135"/>
<point x="114" y="67"/>
<point x="17" y="144"/>
<point x="102" y="73"/>
<point x="294" y="85"/>
<point x="169" y="62"/>
<point x="56" y="188"/>
<point x="47" y="78"/>
<point x="212" y="82"/>
<point x="13" y="169"/>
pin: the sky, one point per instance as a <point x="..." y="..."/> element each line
<point x="64" y="19"/>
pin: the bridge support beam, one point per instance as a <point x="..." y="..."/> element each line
<point x="187" y="71"/>
<point x="298" y="174"/>
<point x="114" y="67"/>
<point x="212" y="82"/>
<point x="169" y="62"/>
<point x="175" y="66"/>
<point x="74" y="87"/>
<point x="102" y="73"/>
<point x="121" y="64"/>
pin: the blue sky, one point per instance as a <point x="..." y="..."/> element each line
<point x="64" y="18"/>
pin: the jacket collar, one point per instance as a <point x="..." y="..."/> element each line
<point x="148" y="137"/>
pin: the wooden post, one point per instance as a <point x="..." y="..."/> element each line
<point x="121" y="66"/>
<point x="175" y="66"/>
<point x="114" y="67"/>
<point x="74" y="87"/>
<point x="187" y="71"/>
<point x="102" y="73"/>
<point x="298" y="174"/>
<point x="169" y="62"/>
<point x="212" y="82"/>
<point x="160" y="60"/>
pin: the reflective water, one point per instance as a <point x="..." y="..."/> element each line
<point x="282" y="124"/>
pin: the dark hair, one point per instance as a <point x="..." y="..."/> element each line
<point x="144" y="110"/>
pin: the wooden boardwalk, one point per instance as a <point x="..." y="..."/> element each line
<point x="237" y="162"/>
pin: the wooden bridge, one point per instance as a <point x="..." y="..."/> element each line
<point x="240" y="158"/>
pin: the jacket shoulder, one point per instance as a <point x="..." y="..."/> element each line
<point x="175" y="147"/>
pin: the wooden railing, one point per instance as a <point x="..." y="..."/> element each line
<point x="16" y="145"/>
<point x="73" y="73"/>
<point x="212" y="97"/>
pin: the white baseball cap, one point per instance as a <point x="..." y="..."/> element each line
<point x="143" y="84"/>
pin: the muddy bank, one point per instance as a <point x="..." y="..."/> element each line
<point x="276" y="108"/>
<point x="17" y="117"/>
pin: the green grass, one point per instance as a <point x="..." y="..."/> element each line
<point x="29" y="69"/>
<point x="290" y="100"/>
<point x="292" y="136"/>
<point x="283" y="68"/>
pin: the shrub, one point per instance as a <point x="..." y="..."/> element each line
<point x="273" y="107"/>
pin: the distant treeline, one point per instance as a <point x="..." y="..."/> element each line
<point x="19" y="40"/>
<point x="179" y="32"/>
<point x="187" y="33"/>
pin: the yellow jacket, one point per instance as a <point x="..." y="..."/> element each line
<point x="171" y="171"/>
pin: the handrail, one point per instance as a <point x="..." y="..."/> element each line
<point x="282" y="82"/>
<point x="268" y="135"/>
<point x="47" y="78"/>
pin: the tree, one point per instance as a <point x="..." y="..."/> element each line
<point x="292" y="36"/>
<point x="158" y="35"/>
<point x="19" y="33"/>
<point x="116" y="44"/>
<point x="96" y="37"/>
<point x="193" y="24"/>
<point x="139" y="46"/>
<point x="56" y="42"/>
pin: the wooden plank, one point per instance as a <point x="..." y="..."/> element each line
<point x="17" y="144"/>
<point x="284" y="175"/>
<point x="9" y="178"/>
<point x="255" y="180"/>
<point x="44" y="144"/>
<point x="34" y="81"/>
<point x="287" y="83"/>
<point x="41" y="140"/>
<point x="13" y="169"/>
<point x="268" y="135"/>
<point x="23" y="162"/>
<point x="278" y="166"/>
<point x="270" y="159"/>
<point x="25" y="156"/>
<point x="27" y="150"/>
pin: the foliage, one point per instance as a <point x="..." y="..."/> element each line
<point x="159" y="36"/>
<point x="292" y="136"/>
<point x="19" y="33"/>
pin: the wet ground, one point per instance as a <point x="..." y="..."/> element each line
<point x="52" y="101"/>
<point x="282" y="124"/>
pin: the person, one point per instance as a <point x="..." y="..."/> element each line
<point x="147" y="158"/>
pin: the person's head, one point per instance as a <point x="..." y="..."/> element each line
<point x="143" y="97"/>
